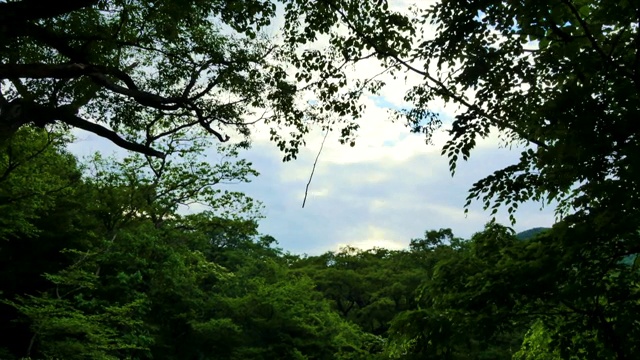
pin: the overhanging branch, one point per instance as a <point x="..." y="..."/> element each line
<point x="26" y="10"/>
<point x="20" y="112"/>
<point x="439" y="87"/>
<point x="110" y="78"/>
<point x="99" y="74"/>
<point x="41" y="71"/>
<point x="83" y="124"/>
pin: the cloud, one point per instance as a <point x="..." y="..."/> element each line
<point x="375" y="194"/>
<point x="383" y="192"/>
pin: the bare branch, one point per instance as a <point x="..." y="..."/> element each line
<point x="153" y="138"/>
<point x="306" y="190"/>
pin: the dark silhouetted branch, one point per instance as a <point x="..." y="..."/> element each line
<point x="83" y="124"/>
<point x="306" y="190"/>
<point x="26" y="10"/>
<point x="20" y="112"/>
<point x="41" y="71"/>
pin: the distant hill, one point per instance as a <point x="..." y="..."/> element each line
<point x="528" y="234"/>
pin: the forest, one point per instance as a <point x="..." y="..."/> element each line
<point x="98" y="260"/>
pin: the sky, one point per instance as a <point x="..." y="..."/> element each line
<point x="386" y="190"/>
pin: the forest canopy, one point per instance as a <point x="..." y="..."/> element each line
<point x="97" y="261"/>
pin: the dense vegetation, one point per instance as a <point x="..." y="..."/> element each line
<point x="97" y="261"/>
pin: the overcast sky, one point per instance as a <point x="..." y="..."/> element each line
<point x="383" y="192"/>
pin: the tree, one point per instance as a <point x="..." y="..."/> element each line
<point x="536" y="345"/>
<point x="96" y="59"/>
<point x="110" y="269"/>
<point x="461" y="301"/>
<point x="41" y="214"/>
<point x="561" y="80"/>
<point x="557" y="77"/>
<point x="92" y="256"/>
<point x="24" y="194"/>
<point x="480" y="300"/>
<point x="135" y="72"/>
<point x="280" y="315"/>
<point x="534" y="69"/>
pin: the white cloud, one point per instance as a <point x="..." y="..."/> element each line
<point x="386" y="190"/>
<point x="375" y="202"/>
<point x="372" y="237"/>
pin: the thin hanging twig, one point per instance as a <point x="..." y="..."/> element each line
<point x="306" y="191"/>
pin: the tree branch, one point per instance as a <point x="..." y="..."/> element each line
<point x="142" y="97"/>
<point x="306" y="190"/>
<point x="152" y="138"/>
<point x="108" y="77"/>
<point x="97" y="73"/>
<point x="48" y="38"/>
<point x="26" y="10"/>
<point x="12" y="165"/>
<point x="440" y="87"/>
<point x="80" y="123"/>
<point x="20" y="112"/>
<point x="206" y="124"/>
<point x="587" y="32"/>
<point x="41" y="71"/>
